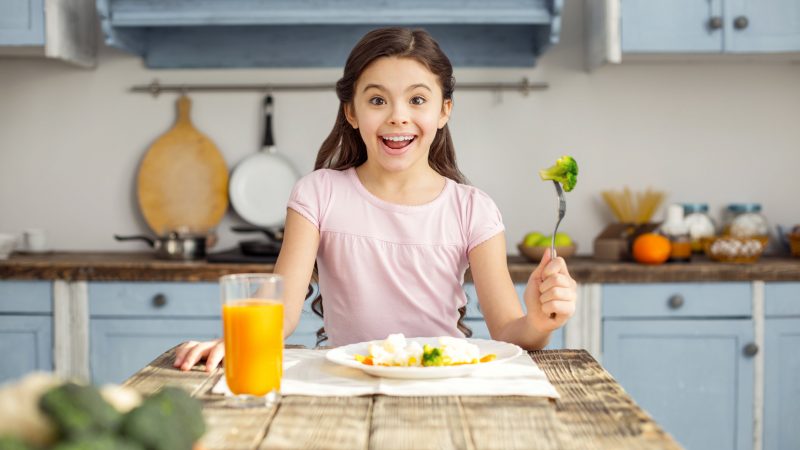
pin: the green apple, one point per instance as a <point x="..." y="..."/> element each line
<point x="563" y="240"/>
<point x="531" y="239"/>
<point x="543" y="241"/>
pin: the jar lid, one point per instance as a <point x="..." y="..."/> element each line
<point x="740" y="208"/>
<point x="691" y="208"/>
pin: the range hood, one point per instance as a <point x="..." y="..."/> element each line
<point x="319" y="33"/>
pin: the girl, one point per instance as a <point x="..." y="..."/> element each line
<point x="390" y="223"/>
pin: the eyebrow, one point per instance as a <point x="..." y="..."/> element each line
<point x="410" y="88"/>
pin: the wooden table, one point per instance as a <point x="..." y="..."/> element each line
<point x="594" y="412"/>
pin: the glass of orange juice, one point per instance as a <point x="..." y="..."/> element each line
<point x="252" y="325"/>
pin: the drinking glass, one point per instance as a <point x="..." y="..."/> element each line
<point x="252" y="324"/>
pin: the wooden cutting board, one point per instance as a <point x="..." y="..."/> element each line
<point x="183" y="180"/>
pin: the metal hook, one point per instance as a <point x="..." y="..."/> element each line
<point x="154" y="88"/>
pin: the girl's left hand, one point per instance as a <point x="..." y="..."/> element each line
<point x="550" y="290"/>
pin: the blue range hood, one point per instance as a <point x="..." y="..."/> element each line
<point x="318" y="33"/>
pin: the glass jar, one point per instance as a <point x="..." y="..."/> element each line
<point x="699" y="223"/>
<point x="745" y="220"/>
<point x="675" y="229"/>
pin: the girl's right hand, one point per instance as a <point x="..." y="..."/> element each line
<point x="192" y="352"/>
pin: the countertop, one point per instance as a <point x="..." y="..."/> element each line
<point x="594" y="412"/>
<point x="117" y="266"/>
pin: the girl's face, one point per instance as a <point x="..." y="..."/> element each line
<point x="397" y="108"/>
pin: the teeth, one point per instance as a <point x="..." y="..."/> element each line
<point x="398" y="138"/>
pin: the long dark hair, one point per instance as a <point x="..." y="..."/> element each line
<point x="344" y="148"/>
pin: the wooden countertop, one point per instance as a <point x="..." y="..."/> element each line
<point x="594" y="412"/>
<point x="107" y="266"/>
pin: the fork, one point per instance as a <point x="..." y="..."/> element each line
<point x="562" y="209"/>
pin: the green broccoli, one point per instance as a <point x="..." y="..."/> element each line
<point x="432" y="356"/>
<point x="78" y="411"/>
<point x="99" y="442"/>
<point x="564" y="171"/>
<point x="167" y="420"/>
<point x="13" y="443"/>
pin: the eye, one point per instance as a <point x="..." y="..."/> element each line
<point x="418" y="100"/>
<point x="377" y="101"/>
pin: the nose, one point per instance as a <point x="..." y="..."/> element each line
<point x="399" y="115"/>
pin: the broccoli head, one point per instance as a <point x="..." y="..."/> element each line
<point x="564" y="171"/>
<point x="432" y="356"/>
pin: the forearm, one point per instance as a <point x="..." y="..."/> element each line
<point x="522" y="332"/>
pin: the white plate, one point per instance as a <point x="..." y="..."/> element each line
<point x="345" y="356"/>
<point x="260" y="187"/>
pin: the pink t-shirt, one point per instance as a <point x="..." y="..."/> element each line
<point x="388" y="268"/>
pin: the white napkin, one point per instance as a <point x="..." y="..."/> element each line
<point x="307" y="372"/>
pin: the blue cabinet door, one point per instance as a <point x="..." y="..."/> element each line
<point x="654" y="26"/>
<point x="120" y="347"/>
<point x="690" y="375"/>
<point x="26" y="344"/>
<point x="22" y="22"/>
<point x="781" y="383"/>
<point x="771" y="26"/>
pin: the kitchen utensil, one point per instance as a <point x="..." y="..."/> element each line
<point x="261" y="247"/>
<point x="183" y="179"/>
<point x="174" y="245"/>
<point x="261" y="184"/>
<point x="562" y="209"/>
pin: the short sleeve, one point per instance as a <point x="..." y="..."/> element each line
<point x="310" y="196"/>
<point x="483" y="219"/>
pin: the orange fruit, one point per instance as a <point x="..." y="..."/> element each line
<point x="651" y="248"/>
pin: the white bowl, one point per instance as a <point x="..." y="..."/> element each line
<point x="7" y="244"/>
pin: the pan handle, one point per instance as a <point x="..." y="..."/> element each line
<point x="268" y="140"/>
<point x="147" y="239"/>
<point x="274" y="235"/>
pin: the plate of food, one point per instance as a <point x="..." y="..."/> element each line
<point x="423" y="357"/>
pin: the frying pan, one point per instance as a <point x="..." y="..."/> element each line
<point x="270" y="246"/>
<point x="261" y="184"/>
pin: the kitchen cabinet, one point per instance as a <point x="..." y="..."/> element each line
<point x="474" y="317"/>
<point x="26" y="328"/>
<point x="713" y="26"/>
<point x="310" y="33"/>
<point x="685" y="352"/>
<point x="781" y="365"/>
<point x="65" y="30"/>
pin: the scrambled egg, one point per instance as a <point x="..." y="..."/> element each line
<point x="396" y="351"/>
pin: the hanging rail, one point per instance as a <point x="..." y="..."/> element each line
<point x="524" y="87"/>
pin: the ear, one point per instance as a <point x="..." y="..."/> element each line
<point x="444" y="116"/>
<point x="349" y="114"/>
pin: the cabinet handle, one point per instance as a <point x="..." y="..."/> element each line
<point x="676" y="301"/>
<point x="159" y="300"/>
<point x="740" y="23"/>
<point x="715" y="23"/>
<point x="750" y="349"/>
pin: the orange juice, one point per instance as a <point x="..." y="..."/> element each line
<point x="253" y="330"/>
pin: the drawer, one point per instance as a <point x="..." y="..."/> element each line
<point x="151" y="299"/>
<point x="26" y="297"/>
<point x="677" y="300"/>
<point x="782" y="299"/>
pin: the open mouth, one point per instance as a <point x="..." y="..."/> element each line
<point x="398" y="142"/>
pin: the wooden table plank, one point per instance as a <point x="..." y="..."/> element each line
<point x="421" y="423"/>
<point x="594" y="408"/>
<point x="320" y="423"/>
<point x="594" y="412"/>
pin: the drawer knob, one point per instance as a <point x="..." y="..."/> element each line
<point x="676" y="301"/>
<point x="715" y="23"/>
<point x="750" y="349"/>
<point x="740" y="23"/>
<point x="159" y="300"/>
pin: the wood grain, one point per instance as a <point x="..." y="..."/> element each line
<point x="183" y="179"/>
<point x="594" y="412"/>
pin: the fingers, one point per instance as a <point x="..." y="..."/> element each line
<point x="558" y="280"/>
<point x="191" y="353"/>
<point x="215" y="356"/>
<point x="537" y="273"/>
<point x="180" y="353"/>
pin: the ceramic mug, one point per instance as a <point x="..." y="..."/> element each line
<point x="35" y="240"/>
